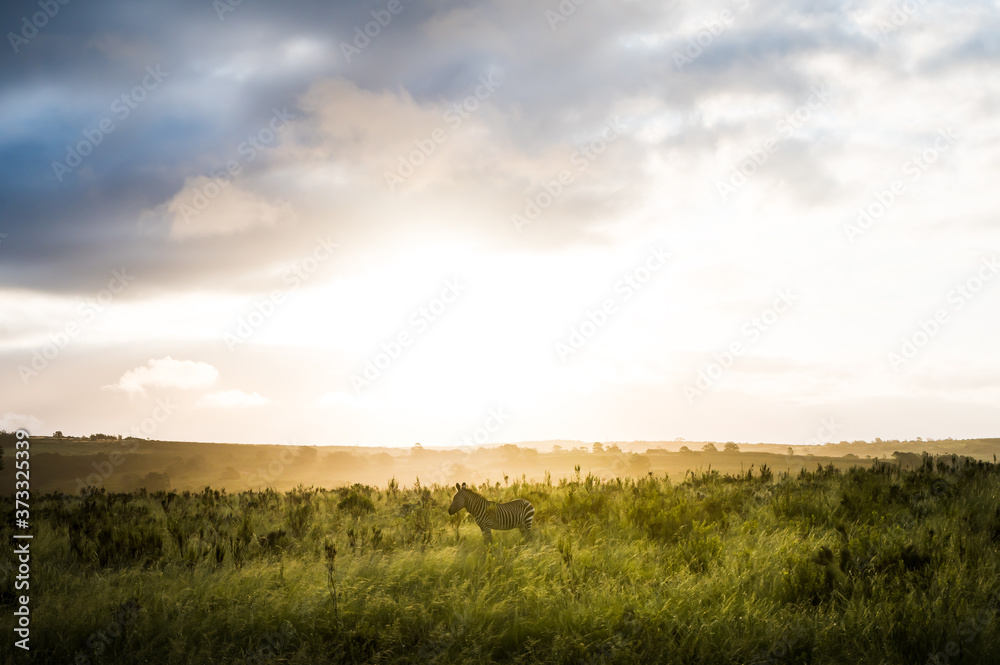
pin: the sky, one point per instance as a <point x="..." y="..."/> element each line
<point x="389" y="222"/>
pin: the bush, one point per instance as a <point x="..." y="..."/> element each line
<point x="356" y="504"/>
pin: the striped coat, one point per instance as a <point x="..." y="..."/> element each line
<point x="489" y="515"/>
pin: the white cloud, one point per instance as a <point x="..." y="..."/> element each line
<point x="168" y="373"/>
<point x="233" y="399"/>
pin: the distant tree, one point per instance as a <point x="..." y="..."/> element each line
<point x="731" y="447"/>
<point x="156" y="482"/>
<point x="906" y="460"/>
<point x="685" y="449"/>
<point x="791" y="451"/>
<point x="556" y="448"/>
<point x="613" y="448"/>
<point x="598" y="448"/>
<point x="57" y="434"/>
<point x="709" y="448"/>
<point x="878" y="440"/>
<point x="639" y="464"/>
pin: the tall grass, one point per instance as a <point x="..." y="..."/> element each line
<point x="872" y="565"/>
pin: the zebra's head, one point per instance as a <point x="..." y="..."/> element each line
<point x="459" y="501"/>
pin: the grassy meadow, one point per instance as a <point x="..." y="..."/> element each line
<point x="874" y="564"/>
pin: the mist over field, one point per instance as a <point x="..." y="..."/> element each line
<point x="71" y="464"/>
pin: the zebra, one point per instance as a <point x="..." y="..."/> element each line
<point x="492" y="515"/>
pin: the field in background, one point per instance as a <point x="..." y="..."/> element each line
<point x="70" y="464"/>
<point x="876" y="564"/>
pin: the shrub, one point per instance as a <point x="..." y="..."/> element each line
<point x="356" y="504"/>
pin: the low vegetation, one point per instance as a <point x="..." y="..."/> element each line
<point x="874" y="564"/>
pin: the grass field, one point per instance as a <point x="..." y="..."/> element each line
<point x="874" y="565"/>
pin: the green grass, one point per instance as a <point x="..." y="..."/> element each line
<point x="872" y="565"/>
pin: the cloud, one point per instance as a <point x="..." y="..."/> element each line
<point x="15" y="421"/>
<point x="211" y="207"/>
<point x="233" y="399"/>
<point x="167" y="373"/>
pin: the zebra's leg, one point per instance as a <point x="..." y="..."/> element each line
<point x="487" y="534"/>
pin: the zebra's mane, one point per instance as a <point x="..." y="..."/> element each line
<point x="473" y="493"/>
